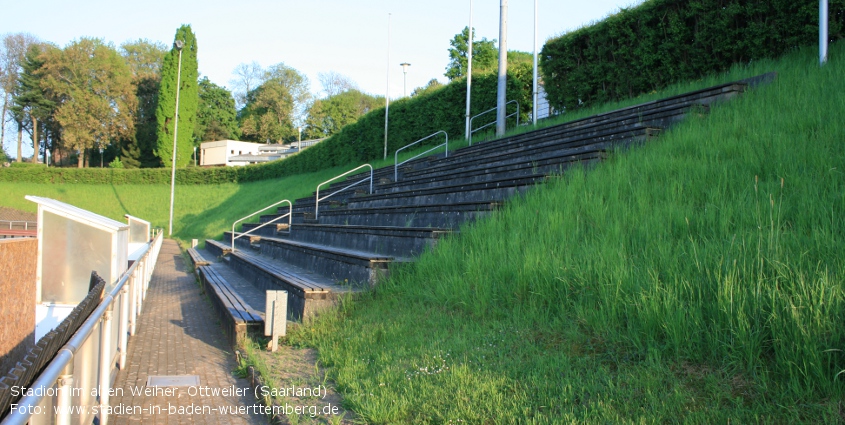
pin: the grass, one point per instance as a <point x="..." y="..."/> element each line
<point x="697" y="279"/>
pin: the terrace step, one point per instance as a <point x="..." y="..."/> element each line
<point x="308" y="292"/>
<point x="437" y="216"/>
<point x="339" y="264"/>
<point x="238" y="316"/>
<point x="217" y="248"/>
<point x="382" y="240"/>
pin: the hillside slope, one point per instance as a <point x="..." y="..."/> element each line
<point x="698" y="278"/>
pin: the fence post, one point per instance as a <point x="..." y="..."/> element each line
<point x="124" y="322"/>
<point x="65" y="384"/>
<point x="105" y="363"/>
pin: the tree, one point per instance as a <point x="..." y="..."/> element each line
<point x="247" y="77"/>
<point x="328" y="116"/>
<point x="94" y="92"/>
<point x="432" y="85"/>
<point x="217" y="118"/>
<point x="484" y="55"/>
<point x="31" y="102"/>
<point x="11" y="58"/>
<point x="188" y="100"/>
<point x="335" y="83"/>
<point x="145" y="59"/>
<point x="276" y="107"/>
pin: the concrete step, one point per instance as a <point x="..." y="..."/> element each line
<point x="449" y="216"/>
<point x="382" y="240"/>
<point x="339" y="264"/>
<point x="308" y="292"/>
<point x="487" y="191"/>
<point x="217" y="248"/>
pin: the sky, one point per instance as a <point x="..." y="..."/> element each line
<point x="312" y="36"/>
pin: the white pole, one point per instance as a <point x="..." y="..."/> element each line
<point x="536" y="95"/>
<point x="469" y="69"/>
<point x="823" y="20"/>
<point x="501" y="100"/>
<point x="178" y="44"/>
<point x="387" y="91"/>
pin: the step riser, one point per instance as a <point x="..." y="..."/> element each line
<point x="336" y="267"/>
<point x="492" y="194"/>
<point x="396" y="245"/>
<point x="451" y="220"/>
<point x="300" y="305"/>
<point x="269" y="231"/>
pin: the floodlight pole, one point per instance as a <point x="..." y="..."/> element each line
<point x="178" y="45"/>
<point x="387" y="91"/>
<point x="536" y="94"/>
<point x="823" y="37"/>
<point x="501" y="100"/>
<point x="469" y="70"/>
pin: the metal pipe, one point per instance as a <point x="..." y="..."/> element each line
<point x="469" y="70"/>
<point x="105" y="363"/>
<point x="503" y="67"/>
<point x="396" y="162"/>
<point x="290" y="214"/>
<point x="123" y="325"/>
<point x="535" y="95"/>
<point x="823" y="36"/>
<point x="318" y="199"/>
<point x="65" y="396"/>
<point x="387" y="91"/>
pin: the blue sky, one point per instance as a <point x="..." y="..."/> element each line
<point x="348" y="37"/>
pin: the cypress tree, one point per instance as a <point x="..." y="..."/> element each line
<point x="188" y="100"/>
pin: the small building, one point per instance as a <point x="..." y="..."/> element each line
<point x="220" y="153"/>
<point x="271" y="152"/>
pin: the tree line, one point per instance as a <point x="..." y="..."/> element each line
<point x="91" y="103"/>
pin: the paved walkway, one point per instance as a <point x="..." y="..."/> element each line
<point x="178" y="334"/>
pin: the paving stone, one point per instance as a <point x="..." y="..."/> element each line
<point x="178" y="334"/>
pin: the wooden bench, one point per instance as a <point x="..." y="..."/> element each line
<point x="197" y="258"/>
<point x="238" y="317"/>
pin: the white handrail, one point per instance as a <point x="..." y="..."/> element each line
<point x="289" y="215"/>
<point x="494" y="122"/>
<point x="60" y="371"/>
<point x="318" y="198"/>
<point x="25" y="223"/>
<point x="396" y="164"/>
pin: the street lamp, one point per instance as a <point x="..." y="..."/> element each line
<point x="405" y="66"/>
<point x="387" y="90"/>
<point x="299" y="140"/>
<point x="469" y="69"/>
<point x="195" y="156"/>
<point x="178" y="44"/>
<point x="101" y="157"/>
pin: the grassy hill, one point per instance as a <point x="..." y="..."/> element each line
<point x="696" y="279"/>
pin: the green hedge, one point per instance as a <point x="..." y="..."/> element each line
<point x="410" y="119"/>
<point x="660" y="42"/>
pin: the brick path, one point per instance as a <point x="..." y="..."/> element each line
<point x="178" y="334"/>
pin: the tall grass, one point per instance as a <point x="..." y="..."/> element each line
<point x="698" y="278"/>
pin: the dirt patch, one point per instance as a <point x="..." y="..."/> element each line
<point x="298" y="386"/>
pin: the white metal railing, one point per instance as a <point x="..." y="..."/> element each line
<point x="26" y="224"/>
<point x="396" y="162"/>
<point x="76" y="391"/>
<point x="289" y="215"/>
<point x="494" y="122"/>
<point x="318" y="198"/>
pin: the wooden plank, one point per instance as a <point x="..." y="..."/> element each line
<point x="212" y="279"/>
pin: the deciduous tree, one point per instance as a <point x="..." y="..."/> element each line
<point x="31" y="102"/>
<point x="217" y="118"/>
<point x="188" y="100"/>
<point x="484" y="55"/>
<point x="11" y="57"/>
<point x="94" y="92"/>
<point x="145" y="59"/>
<point x="335" y="83"/>
<point x="247" y="76"/>
<point x="328" y="116"/>
<point x="277" y="106"/>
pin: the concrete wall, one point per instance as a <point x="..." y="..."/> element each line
<point x="18" y="259"/>
<point x="219" y="152"/>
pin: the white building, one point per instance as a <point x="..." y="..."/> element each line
<point x="220" y="153"/>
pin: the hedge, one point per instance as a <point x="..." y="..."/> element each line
<point x="410" y="119"/>
<point x="660" y="42"/>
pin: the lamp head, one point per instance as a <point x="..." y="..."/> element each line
<point x="178" y="44"/>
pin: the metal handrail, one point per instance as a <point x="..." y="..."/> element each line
<point x="25" y="223"/>
<point x="60" y="369"/>
<point x="494" y="122"/>
<point x="318" y="198"/>
<point x="289" y="215"/>
<point x="396" y="164"/>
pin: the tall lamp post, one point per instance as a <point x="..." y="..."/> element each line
<point x="387" y="91"/>
<point x="178" y="45"/>
<point x="469" y="69"/>
<point x="405" y="66"/>
<point x="501" y="96"/>
<point x="823" y="37"/>
<point x="101" y="157"/>
<point x="195" y="156"/>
